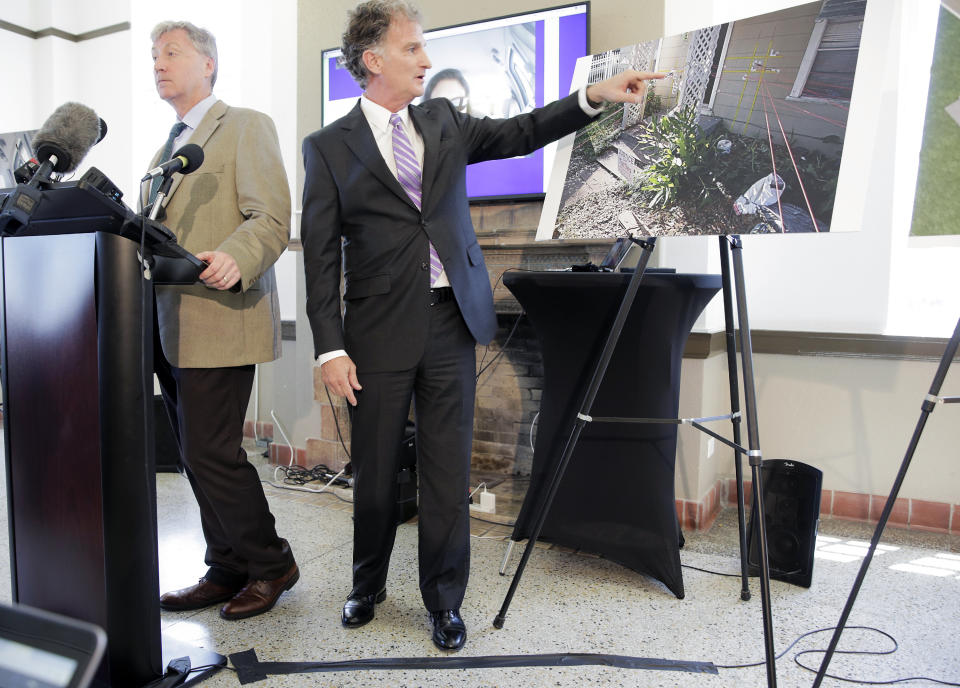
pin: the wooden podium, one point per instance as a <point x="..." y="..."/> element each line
<point x="81" y="489"/>
<point x="76" y="330"/>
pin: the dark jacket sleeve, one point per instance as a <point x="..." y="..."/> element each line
<point x="320" y="235"/>
<point x="486" y="138"/>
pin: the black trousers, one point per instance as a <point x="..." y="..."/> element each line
<point x="207" y="407"/>
<point x="442" y="387"/>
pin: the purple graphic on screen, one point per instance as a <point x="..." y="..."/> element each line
<point x="573" y="45"/>
<point x="342" y="84"/>
<point x="506" y="177"/>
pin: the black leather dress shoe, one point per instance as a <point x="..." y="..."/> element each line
<point x="449" y="631"/>
<point x="359" y="609"/>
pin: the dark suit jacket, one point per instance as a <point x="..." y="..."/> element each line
<point x="350" y="194"/>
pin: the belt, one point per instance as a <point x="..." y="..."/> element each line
<point x="440" y="294"/>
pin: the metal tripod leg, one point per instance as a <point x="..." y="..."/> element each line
<point x="750" y="402"/>
<point x="925" y="409"/>
<point x="734" y="410"/>
<point x="506" y="557"/>
<point x="601" y="368"/>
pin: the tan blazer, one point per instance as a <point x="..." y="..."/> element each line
<point x="238" y="202"/>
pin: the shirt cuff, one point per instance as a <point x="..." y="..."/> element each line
<point x="330" y="355"/>
<point x="585" y="104"/>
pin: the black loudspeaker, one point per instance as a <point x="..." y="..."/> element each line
<point x="407" y="475"/>
<point x="791" y="502"/>
<point x="165" y="447"/>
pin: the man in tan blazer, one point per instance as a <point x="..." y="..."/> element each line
<point x="234" y="214"/>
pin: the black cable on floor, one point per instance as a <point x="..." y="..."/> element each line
<point x="814" y="670"/>
<point x="715" y="573"/>
<point x="294" y="488"/>
<point x="299" y="475"/>
<point x="496" y="523"/>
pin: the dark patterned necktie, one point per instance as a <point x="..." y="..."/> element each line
<point x="175" y="131"/>
<point x="409" y="176"/>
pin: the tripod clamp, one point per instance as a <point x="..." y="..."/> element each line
<point x="930" y="401"/>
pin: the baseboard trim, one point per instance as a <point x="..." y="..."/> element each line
<point x="912" y="514"/>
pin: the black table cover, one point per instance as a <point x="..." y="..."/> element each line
<point x="616" y="497"/>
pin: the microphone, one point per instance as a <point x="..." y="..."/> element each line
<point x="67" y="135"/>
<point x="185" y="161"/>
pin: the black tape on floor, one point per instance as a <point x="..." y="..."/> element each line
<point x="250" y="669"/>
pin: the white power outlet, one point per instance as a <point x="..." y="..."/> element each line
<point x="487" y="503"/>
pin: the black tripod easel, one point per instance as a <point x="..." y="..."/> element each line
<point x="750" y="402"/>
<point x="926" y="408"/>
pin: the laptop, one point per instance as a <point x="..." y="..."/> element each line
<point x="39" y="649"/>
<point x="624" y="256"/>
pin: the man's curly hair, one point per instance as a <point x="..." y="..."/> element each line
<point x="367" y="26"/>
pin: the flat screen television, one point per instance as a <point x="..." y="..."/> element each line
<point x="509" y="65"/>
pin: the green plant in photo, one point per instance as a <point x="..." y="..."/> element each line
<point x="600" y="133"/>
<point x="654" y="103"/>
<point x="682" y="159"/>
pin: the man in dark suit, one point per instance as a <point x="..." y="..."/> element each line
<point x="385" y="193"/>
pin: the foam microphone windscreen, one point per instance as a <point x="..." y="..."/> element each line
<point x="193" y="154"/>
<point x="68" y="133"/>
<point x="103" y="131"/>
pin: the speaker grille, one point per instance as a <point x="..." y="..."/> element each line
<point x="791" y="500"/>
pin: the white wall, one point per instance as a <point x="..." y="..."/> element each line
<point x="113" y="75"/>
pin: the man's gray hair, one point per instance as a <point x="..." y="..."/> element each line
<point x="367" y="26"/>
<point x="203" y="41"/>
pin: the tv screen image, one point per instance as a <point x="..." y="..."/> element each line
<point x="937" y="205"/>
<point x="744" y="135"/>
<point x="493" y="68"/>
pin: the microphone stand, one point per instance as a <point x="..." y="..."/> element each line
<point x="43" y="172"/>
<point x="161" y="194"/>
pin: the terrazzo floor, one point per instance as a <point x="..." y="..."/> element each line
<point x="570" y="602"/>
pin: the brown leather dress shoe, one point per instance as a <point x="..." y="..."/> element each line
<point x="198" y="596"/>
<point x="259" y="596"/>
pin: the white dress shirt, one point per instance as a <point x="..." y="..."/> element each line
<point x="192" y="120"/>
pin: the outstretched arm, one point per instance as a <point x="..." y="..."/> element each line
<point x="625" y="87"/>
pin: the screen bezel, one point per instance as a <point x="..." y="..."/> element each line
<point x="79" y="641"/>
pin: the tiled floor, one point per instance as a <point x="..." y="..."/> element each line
<point x="574" y="603"/>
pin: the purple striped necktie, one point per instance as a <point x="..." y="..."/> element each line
<point x="409" y="174"/>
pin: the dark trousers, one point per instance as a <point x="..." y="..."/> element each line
<point x="442" y="387"/>
<point x="207" y="407"/>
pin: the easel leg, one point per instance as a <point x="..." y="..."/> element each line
<point x="594" y="386"/>
<point x="753" y="439"/>
<point x="926" y="408"/>
<point x="734" y="409"/>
